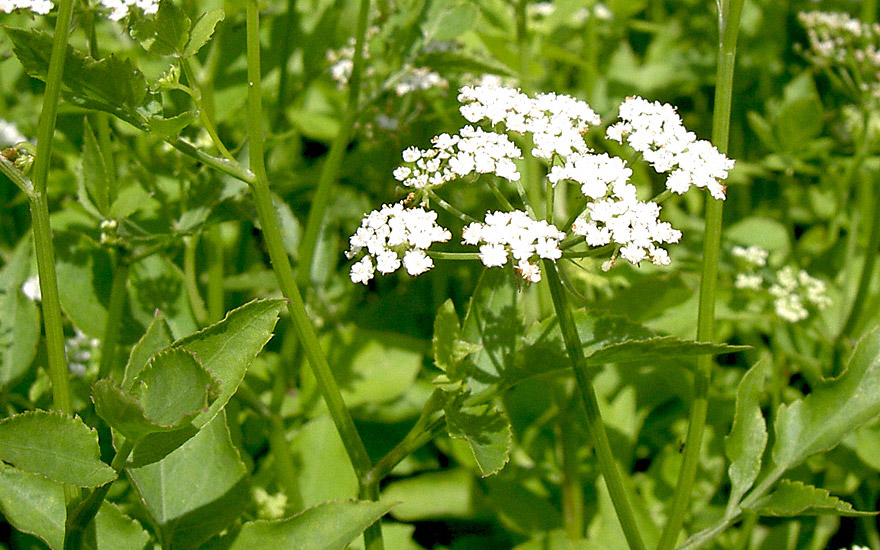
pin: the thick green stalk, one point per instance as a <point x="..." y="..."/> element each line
<point x="728" y="19"/>
<point x="354" y="446"/>
<point x="40" y="213"/>
<point x="213" y="240"/>
<point x="572" y="485"/>
<point x="115" y="309"/>
<point x="330" y="172"/>
<point x="595" y="426"/>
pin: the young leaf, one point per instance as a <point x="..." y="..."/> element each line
<point x="202" y="31"/>
<point x="449" y="348"/>
<point x="196" y="491"/>
<point x="329" y="526"/>
<point x="165" y="34"/>
<point x="33" y="504"/>
<point x="57" y="446"/>
<point x="95" y="174"/>
<point x="171" y="126"/>
<point x="486" y="430"/>
<point x="158" y="336"/>
<point x="794" y="498"/>
<point x="226" y="349"/>
<point x="820" y="420"/>
<point x="173" y="387"/>
<point x="19" y="317"/>
<point x="748" y="435"/>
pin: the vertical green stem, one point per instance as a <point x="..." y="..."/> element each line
<point x="190" y="280"/>
<point x="729" y="19"/>
<point x="595" y="426"/>
<point x="330" y="171"/>
<point x="341" y="416"/>
<point x="40" y="213"/>
<point x="216" y="299"/>
<point x="118" y="294"/>
<point x="572" y="487"/>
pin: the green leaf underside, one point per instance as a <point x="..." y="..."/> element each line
<point x="57" y="446"/>
<point x="794" y="498"/>
<point x="821" y="419"/>
<point x="328" y="526"/>
<point x="745" y="444"/>
<point x="487" y="432"/>
<point x="19" y="317"/>
<point x="196" y="491"/>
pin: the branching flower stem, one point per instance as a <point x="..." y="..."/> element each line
<point x="330" y="172"/>
<point x="340" y="415"/>
<point x="728" y="20"/>
<point x="595" y="426"/>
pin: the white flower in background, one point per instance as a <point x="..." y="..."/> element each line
<point x="269" y="506"/>
<point x="420" y="78"/>
<point x="9" y="134"/>
<point x="393" y="233"/>
<point x="748" y="281"/>
<point x="506" y="234"/>
<point x="453" y="157"/>
<point x="753" y="255"/>
<point x="541" y="9"/>
<point x="119" y="9"/>
<point x="41" y="7"/>
<point x="31" y="289"/>
<point x="655" y="130"/>
<point x="342" y="60"/>
<point x="80" y="350"/>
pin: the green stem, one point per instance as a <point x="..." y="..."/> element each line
<point x="190" y="280"/>
<point x="204" y="114"/>
<point x="572" y="486"/>
<point x="493" y="186"/>
<point x="330" y="172"/>
<point x="229" y="167"/>
<point x="79" y="519"/>
<point x="449" y="208"/>
<point x="118" y="295"/>
<point x="216" y="300"/>
<point x="595" y="426"/>
<point x="729" y="20"/>
<point x="305" y="331"/>
<point x="17" y="177"/>
<point x="39" y="204"/>
<point x="469" y="256"/>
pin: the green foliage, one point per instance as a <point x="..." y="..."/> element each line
<point x="794" y="498"/>
<point x="745" y="444"/>
<point x="19" y="317"/>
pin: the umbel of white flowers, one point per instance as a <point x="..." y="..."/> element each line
<point x="118" y="8"/>
<point x="556" y="125"/>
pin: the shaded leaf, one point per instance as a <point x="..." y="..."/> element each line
<point x="173" y="387"/>
<point x="165" y="34"/>
<point x="486" y="430"/>
<point x="19" y="317"/>
<point x="328" y="526"/>
<point x="444" y="494"/>
<point x="57" y="446"/>
<point x="449" y="348"/>
<point x="157" y="337"/>
<point x="794" y="498"/>
<point x="96" y="176"/>
<point x="745" y="444"/>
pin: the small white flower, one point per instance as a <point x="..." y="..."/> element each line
<point x="31" y="288"/>
<point x="417" y="262"/>
<point x="362" y="271"/>
<point x="529" y="271"/>
<point x="40" y="7"/>
<point x="514" y="234"/>
<point x="754" y="255"/>
<point x="749" y="281"/>
<point x="493" y="255"/>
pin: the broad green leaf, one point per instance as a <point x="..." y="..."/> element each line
<point x="33" y="504"/>
<point x="129" y="199"/>
<point x="116" y="531"/>
<point x="444" y="494"/>
<point x="766" y="233"/>
<point x="155" y="446"/>
<point x="794" y="498"/>
<point x="226" y="349"/>
<point x="745" y="444"/>
<point x="328" y="526"/>
<point x="453" y="19"/>
<point x="821" y="419"/>
<point x="110" y="84"/>
<point x="57" y="446"/>
<point x="164" y="34"/>
<point x="157" y="337"/>
<point x="486" y="430"/>
<point x="449" y="348"/>
<point x="458" y="62"/>
<point x="19" y="317"/>
<point x="169" y="127"/>
<point x="196" y="491"/>
<point x="95" y="174"/>
<point x="323" y="470"/>
<point x="85" y="273"/>
<point x="157" y="283"/>
<point x="173" y="387"/>
<point x="795" y="122"/>
<point x="122" y="411"/>
<point x="202" y="31"/>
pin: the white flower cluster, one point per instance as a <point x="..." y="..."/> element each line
<point x="557" y="122"/>
<point x="453" y="157"/>
<point x="393" y="233"/>
<point x="753" y="255"/>
<point x="9" y="134"/>
<point x="119" y="9"/>
<point x="419" y="78"/>
<point x="517" y="234"/>
<point x="626" y="221"/>
<point x="794" y="290"/>
<point x="342" y="60"/>
<point x="80" y="351"/>
<point x="655" y="130"/>
<point x="41" y="7"/>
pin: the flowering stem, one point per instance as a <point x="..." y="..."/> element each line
<point x="39" y="204"/>
<point x="453" y="255"/>
<point x="493" y="186"/>
<point x="232" y="168"/>
<point x="341" y="416"/>
<point x="327" y="181"/>
<point x="595" y="426"/>
<point x="449" y="208"/>
<point x="728" y="19"/>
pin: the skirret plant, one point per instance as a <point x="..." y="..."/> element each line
<point x="157" y="394"/>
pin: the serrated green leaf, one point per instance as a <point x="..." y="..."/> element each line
<point x="821" y="419"/>
<point x="116" y="531"/>
<point x="226" y="349"/>
<point x="19" y="317"/>
<point x="33" y="504"/>
<point x="171" y="126"/>
<point x="173" y="387"/>
<point x="95" y="174"/>
<point x="486" y="430"/>
<point x="459" y="62"/>
<point x="57" y="446"/>
<point x="449" y="348"/>
<point x="196" y="491"/>
<point x="122" y="411"/>
<point x="745" y="444"/>
<point x="202" y="31"/>
<point x="165" y="34"/>
<point x="110" y="84"/>
<point x="328" y="526"/>
<point x="158" y="336"/>
<point x="794" y="498"/>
